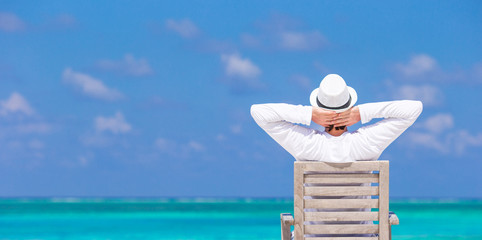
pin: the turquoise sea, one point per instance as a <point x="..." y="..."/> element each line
<point x="123" y="218"/>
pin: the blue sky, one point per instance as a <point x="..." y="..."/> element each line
<point x="152" y="98"/>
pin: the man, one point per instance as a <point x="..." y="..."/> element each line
<point x="332" y="107"/>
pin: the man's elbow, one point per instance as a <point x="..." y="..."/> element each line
<point x="254" y="110"/>
<point x="417" y="107"/>
<point x="256" y="113"/>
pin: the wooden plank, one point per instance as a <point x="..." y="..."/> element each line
<point x="383" y="201"/>
<point x="341" y="191"/>
<point x="341" y="238"/>
<point x="341" y="203"/>
<point x="393" y="219"/>
<point x="341" y="216"/>
<point x="340" y="167"/>
<point x="298" y="201"/>
<point x="341" y="229"/>
<point x="342" y="178"/>
<point x="286" y="222"/>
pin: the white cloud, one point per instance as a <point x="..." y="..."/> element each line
<point x="115" y="124"/>
<point x="439" y="123"/>
<point x="436" y="133"/>
<point x="455" y="142"/>
<point x="97" y="139"/>
<point x="179" y="150"/>
<point x="424" y="68"/>
<point x="235" y="66"/>
<point x="250" y="40"/>
<point x="301" y="81"/>
<point x="65" y="20"/>
<point x="418" y="65"/>
<point x="428" y="94"/>
<point x="220" y="137"/>
<point x="183" y="27"/>
<point x="282" y="32"/>
<point x="36" y="144"/>
<point x="9" y="22"/>
<point x="16" y="103"/>
<point x="34" y="128"/>
<point x="83" y="161"/>
<point x="241" y="75"/>
<point x="477" y="72"/>
<point x="428" y="140"/>
<point x="90" y="86"/>
<point x="464" y="139"/>
<point x="127" y="66"/>
<point x="236" y="129"/>
<point x="164" y="144"/>
<point x="62" y="21"/>
<point x="196" y="146"/>
<point x="290" y="40"/>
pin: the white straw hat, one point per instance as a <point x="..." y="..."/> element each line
<point x="333" y="94"/>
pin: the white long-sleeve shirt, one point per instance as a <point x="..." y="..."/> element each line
<point x="281" y="121"/>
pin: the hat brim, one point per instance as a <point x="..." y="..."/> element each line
<point x="351" y="91"/>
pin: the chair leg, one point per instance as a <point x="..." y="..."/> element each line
<point x="286" y="222"/>
<point x="390" y="232"/>
<point x="285" y="231"/>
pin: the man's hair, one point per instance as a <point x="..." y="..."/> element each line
<point x="330" y="127"/>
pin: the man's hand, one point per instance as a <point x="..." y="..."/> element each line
<point x="348" y="117"/>
<point x="323" y="117"/>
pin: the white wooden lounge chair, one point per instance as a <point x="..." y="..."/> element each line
<point x="322" y="214"/>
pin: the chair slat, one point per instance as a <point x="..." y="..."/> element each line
<point x="340" y="167"/>
<point x="383" y="201"/>
<point x="341" y="216"/>
<point x="298" y="201"/>
<point x="341" y="238"/>
<point x="341" y="203"/>
<point x="342" y="178"/>
<point x="328" y="180"/>
<point x="341" y="229"/>
<point x="340" y="191"/>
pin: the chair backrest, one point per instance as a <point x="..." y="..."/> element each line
<point x="319" y="206"/>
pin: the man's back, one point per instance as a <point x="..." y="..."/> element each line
<point x="281" y="121"/>
<point x="332" y="107"/>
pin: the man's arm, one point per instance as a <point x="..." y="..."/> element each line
<point x="279" y="121"/>
<point x="399" y="115"/>
<point x="266" y="114"/>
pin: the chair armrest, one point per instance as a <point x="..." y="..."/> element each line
<point x="287" y="221"/>
<point x="393" y="219"/>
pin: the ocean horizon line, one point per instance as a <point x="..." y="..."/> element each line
<point x="124" y="199"/>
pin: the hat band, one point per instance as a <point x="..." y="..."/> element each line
<point x="334" y="108"/>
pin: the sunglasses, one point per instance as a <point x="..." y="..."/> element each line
<point x="329" y="128"/>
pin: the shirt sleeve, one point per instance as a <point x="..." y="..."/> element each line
<point x="280" y="121"/>
<point x="399" y="115"/>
